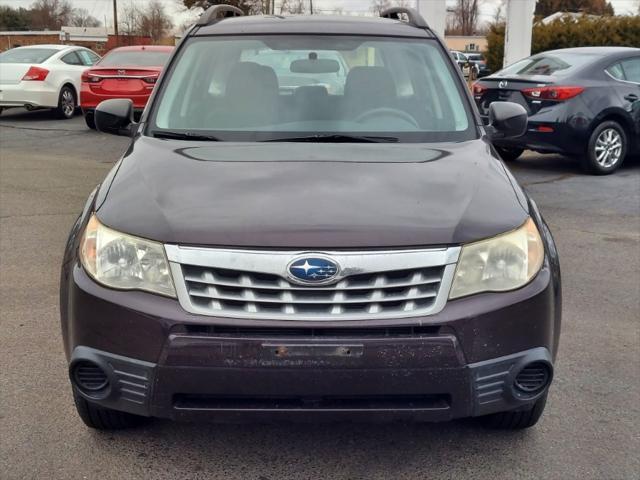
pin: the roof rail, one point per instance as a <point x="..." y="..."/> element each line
<point x="415" y="19"/>
<point x="213" y="14"/>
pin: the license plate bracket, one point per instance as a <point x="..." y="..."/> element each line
<point x="284" y="350"/>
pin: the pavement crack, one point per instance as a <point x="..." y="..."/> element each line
<point x="16" y="127"/>
<point x="28" y="215"/>
<point x="550" y="180"/>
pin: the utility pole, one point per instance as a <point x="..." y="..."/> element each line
<point x="517" y="39"/>
<point x="115" y="20"/>
<point x="435" y="13"/>
<point x="311" y="6"/>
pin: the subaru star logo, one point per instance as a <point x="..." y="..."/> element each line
<point x="313" y="270"/>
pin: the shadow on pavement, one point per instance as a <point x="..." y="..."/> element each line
<point x="561" y="165"/>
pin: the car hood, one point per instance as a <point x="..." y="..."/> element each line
<point x="310" y="195"/>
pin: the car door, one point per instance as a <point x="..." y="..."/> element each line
<point x="626" y="74"/>
<point x="73" y="66"/>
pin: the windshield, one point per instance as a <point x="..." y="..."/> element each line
<point x="557" y="64"/>
<point x="278" y="87"/>
<point x="26" y="55"/>
<point x="140" y="58"/>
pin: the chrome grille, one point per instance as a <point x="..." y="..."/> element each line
<point x="402" y="284"/>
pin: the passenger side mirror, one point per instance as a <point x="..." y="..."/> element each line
<point x="507" y="120"/>
<point x="115" y="116"/>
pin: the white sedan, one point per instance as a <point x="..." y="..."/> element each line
<point x="43" y="76"/>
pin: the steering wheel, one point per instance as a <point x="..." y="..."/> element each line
<point x="390" y="112"/>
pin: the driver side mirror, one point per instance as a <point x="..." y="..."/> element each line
<point x="115" y="116"/>
<point x="507" y="120"/>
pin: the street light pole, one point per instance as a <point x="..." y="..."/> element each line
<point x="115" y="20"/>
<point x="311" y="6"/>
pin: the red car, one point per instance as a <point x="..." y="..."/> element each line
<point x="125" y="72"/>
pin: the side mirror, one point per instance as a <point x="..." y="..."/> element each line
<point x="115" y="116"/>
<point x="507" y="120"/>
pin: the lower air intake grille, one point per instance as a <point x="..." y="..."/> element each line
<point x="533" y="378"/>
<point x="90" y="377"/>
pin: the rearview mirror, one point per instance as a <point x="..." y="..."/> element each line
<point x="507" y="120"/>
<point x="115" y="116"/>
<point x="318" y="65"/>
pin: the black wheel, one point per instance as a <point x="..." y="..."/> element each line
<point x="103" y="418"/>
<point x="516" y="420"/>
<point x="66" y="103"/>
<point x="509" y="154"/>
<point x="606" y="149"/>
<point x="90" y="120"/>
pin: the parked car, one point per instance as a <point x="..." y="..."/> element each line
<point x="479" y="64"/>
<point x="266" y="254"/>
<point x="43" y="76"/>
<point x="582" y="102"/>
<point x="125" y="72"/>
<point x="463" y="62"/>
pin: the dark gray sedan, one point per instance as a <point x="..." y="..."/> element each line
<point x="582" y="102"/>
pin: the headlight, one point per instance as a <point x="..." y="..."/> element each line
<point x="498" y="264"/>
<point x="125" y="262"/>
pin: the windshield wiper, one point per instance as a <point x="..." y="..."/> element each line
<point x="185" y="136"/>
<point x="337" y="138"/>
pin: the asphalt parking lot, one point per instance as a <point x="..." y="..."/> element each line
<point x="590" y="429"/>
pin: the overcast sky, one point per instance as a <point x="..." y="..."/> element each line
<point x="103" y="10"/>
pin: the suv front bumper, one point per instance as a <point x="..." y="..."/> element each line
<point x="256" y="385"/>
<point x="164" y="362"/>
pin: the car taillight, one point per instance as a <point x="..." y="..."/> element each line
<point x="479" y="89"/>
<point x="151" y="80"/>
<point x="36" y="74"/>
<point x="553" y="92"/>
<point x="87" y="78"/>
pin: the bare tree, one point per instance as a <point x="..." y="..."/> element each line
<point x="129" y="19"/>
<point x="51" y="14"/>
<point x="381" y="5"/>
<point x="154" y="21"/>
<point x="82" y="18"/>
<point x="294" y="7"/>
<point x="466" y="16"/>
<point x="500" y="12"/>
<point x="248" y="6"/>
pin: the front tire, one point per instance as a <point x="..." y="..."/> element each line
<point x="509" y="154"/>
<point x="66" y="103"/>
<point x="90" y="120"/>
<point x="102" y="418"/>
<point x="516" y="420"/>
<point x="606" y="149"/>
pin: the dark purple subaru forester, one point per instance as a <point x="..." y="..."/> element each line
<point x="310" y="223"/>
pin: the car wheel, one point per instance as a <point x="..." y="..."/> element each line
<point x="509" y="154"/>
<point x="102" y="418"/>
<point x="516" y="420"/>
<point x="606" y="149"/>
<point x="90" y="120"/>
<point x="66" y="103"/>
